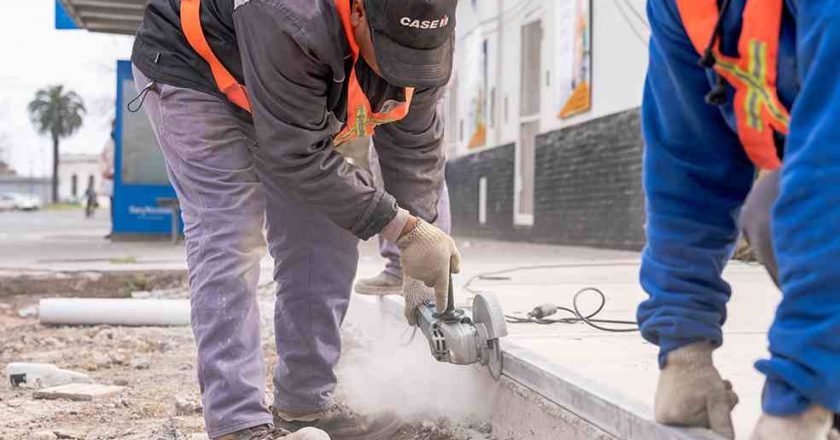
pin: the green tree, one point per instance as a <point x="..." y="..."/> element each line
<point x="58" y="114"/>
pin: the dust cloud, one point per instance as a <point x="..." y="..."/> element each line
<point x="381" y="371"/>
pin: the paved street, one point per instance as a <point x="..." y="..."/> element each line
<point x="65" y="240"/>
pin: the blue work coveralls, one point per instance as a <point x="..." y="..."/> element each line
<point x="697" y="176"/>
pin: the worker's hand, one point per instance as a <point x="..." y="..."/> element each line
<point x="416" y="294"/>
<point x="691" y="392"/>
<point x="429" y="255"/>
<point x="813" y="424"/>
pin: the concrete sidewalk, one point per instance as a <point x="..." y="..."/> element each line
<point x="618" y="367"/>
<point x="621" y="367"/>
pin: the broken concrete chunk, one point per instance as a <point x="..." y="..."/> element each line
<point x="35" y="375"/>
<point x="141" y="363"/>
<point x="78" y="392"/>
<point x="28" y="312"/>
<point x="186" y="407"/>
<point x="43" y="435"/>
<point x="66" y="434"/>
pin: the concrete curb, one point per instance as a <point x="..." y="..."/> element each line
<point x="608" y="410"/>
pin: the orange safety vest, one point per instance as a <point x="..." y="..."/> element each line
<point x="361" y="119"/>
<point x="758" y="109"/>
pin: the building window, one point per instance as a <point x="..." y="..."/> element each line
<point x="530" y="68"/>
<point x="74" y="185"/>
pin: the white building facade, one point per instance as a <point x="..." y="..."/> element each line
<point x="542" y="120"/>
<point x="75" y="173"/>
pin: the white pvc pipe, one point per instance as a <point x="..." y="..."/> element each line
<point x="131" y="312"/>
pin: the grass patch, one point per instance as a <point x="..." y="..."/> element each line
<point x="138" y="283"/>
<point x="63" y="207"/>
<point x="123" y="260"/>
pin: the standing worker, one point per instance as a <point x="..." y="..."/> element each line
<point x="766" y="94"/>
<point x="247" y="99"/>
<point x="390" y="280"/>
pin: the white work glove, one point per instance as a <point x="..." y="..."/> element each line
<point x="691" y="392"/>
<point x="416" y="294"/>
<point x="813" y="424"/>
<point x="430" y="256"/>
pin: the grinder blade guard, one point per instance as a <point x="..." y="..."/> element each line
<point x="463" y="338"/>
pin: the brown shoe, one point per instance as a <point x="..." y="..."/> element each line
<point x="382" y="284"/>
<point x="341" y="423"/>
<point x="266" y="432"/>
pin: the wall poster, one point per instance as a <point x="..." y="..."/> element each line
<point x="573" y="57"/>
<point x="474" y="74"/>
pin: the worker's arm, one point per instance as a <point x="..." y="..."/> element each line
<point x="411" y="155"/>
<point x="696" y="177"/>
<point x="289" y="87"/>
<point x="805" y="337"/>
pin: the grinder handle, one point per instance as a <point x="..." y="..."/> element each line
<point x="450" y="298"/>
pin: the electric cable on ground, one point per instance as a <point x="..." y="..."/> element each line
<point x="540" y="314"/>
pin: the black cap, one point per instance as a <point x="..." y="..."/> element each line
<point x="413" y="40"/>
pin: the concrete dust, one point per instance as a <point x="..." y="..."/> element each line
<point x="162" y="400"/>
<point x="384" y="372"/>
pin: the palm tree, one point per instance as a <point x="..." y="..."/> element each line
<point x="58" y="114"/>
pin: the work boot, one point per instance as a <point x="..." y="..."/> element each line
<point x="382" y="284"/>
<point x="813" y="424"/>
<point x="340" y="423"/>
<point x="266" y="432"/>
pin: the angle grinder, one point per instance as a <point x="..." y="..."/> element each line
<point x="465" y="338"/>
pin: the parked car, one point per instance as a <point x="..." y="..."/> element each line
<point x="27" y="202"/>
<point x="7" y="202"/>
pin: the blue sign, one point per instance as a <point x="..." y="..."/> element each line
<point x="62" y="18"/>
<point x="141" y="185"/>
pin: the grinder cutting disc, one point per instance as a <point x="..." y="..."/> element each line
<point x="490" y="321"/>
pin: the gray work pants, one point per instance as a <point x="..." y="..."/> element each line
<point x="389" y="250"/>
<point x="209" y="157"/>
<point x="755" y="221"/>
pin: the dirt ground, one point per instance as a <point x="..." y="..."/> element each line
<point x="156" y="365"/>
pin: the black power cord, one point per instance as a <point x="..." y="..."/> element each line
<point x="540" y="314"/>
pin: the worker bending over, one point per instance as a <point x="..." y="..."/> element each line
<point x="248" y="98"/>
<point x="765" y="94"/>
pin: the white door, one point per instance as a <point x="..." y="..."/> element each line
<point x="529" y="122"/>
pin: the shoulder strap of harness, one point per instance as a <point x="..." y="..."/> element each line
<point x="191" y="26"/>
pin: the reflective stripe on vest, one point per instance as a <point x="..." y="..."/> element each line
<point x="361" y="119"/>
<point x="758" y="110"/>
